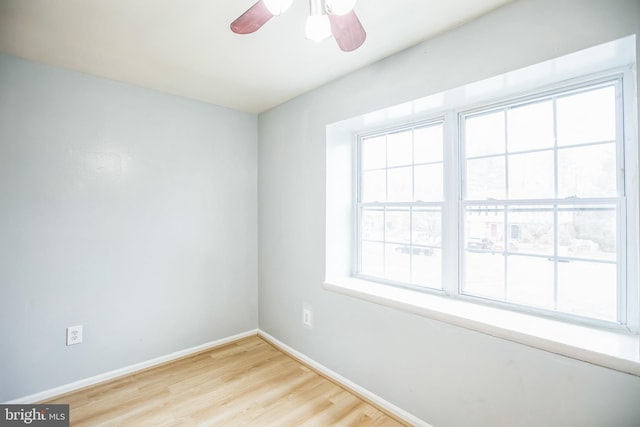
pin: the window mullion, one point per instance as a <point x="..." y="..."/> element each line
<point x="450" y="214"/>
<point x="556" y="232"/>
<point x="384" y="241"/>
<point x="555" y="256"/>
<point x="411" y="243"/>
<point x="505" y="215"/>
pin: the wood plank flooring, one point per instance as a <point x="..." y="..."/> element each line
<point x="246" y="383"/>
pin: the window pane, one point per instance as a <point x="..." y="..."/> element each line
<point x="588" y="232"/>
<point x="484" y="274"/>
<point x="372" y="259"/>
<point x="397" y="263"/>
<point x="530" y="127"/>
<point x="427" y="269"/>
<point x="587" y="171"/>
<point x="427" y="227"/>
<point x="531" y="176"/>
<point x="374" y="186"/>
<point x="588" y="288"/>
<point x="587" y="117"/>
<point x="374" y="153"/>
<point x="485" y="178"/>
<point x="428" y="183"/>
<point x="399" y="149"/>
<point x="530" y="281"/>
<point x="531" y="229"/>
<point x="427" y="144"/>
<point x="427" y="261"/>
<point x="400" y="184"/>
<point x="484" y="134"/>
<point x="397" y="226"/>
<point x="484" y="228"/>
<point x="373" y="224"/>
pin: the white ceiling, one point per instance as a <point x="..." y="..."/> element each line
<point x="185" y="47"/>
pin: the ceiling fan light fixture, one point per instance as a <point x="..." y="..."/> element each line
<point x="326" y="19"/>
<point x="340" y="7"/>
<point x="277" y="7"/>
<point x="318" y="28"/>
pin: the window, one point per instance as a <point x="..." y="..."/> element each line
<point x="536" y="199"/>
<point x="400" y="205"/>
<point x="548" y="168"/>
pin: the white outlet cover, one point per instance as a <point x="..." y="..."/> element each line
<point x="74" y="335"/>
<point x="307" y="316"/>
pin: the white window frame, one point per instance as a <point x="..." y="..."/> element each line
<point x="360" y="205"/>
<point x="453" y="204"/>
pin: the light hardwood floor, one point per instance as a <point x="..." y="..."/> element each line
<point x="246" y="383"/>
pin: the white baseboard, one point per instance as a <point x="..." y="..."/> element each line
<point x="57" y="391"/>
<point x="348" y="384"/>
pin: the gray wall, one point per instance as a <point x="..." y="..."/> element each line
<point x="446" y="375"/>
<point x="128" y="211"/>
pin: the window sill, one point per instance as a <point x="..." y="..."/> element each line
<point x="611" y="349"/>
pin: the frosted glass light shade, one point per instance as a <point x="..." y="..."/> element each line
<point x="276" y="7"/>
<point x="340" y="7"/>
<point x="318" y="27"/>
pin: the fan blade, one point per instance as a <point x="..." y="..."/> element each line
<point x="347" y="30"/>
<point x="254" y="18"/>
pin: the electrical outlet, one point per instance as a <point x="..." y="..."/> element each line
<point x="307" y="316"/>
<point x="74" y="335"/>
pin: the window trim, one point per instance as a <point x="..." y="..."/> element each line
<point x="614" y="349"/>
<point x="453" y="204"/>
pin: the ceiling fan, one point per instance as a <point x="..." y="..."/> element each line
<point x="326" y="18"/>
